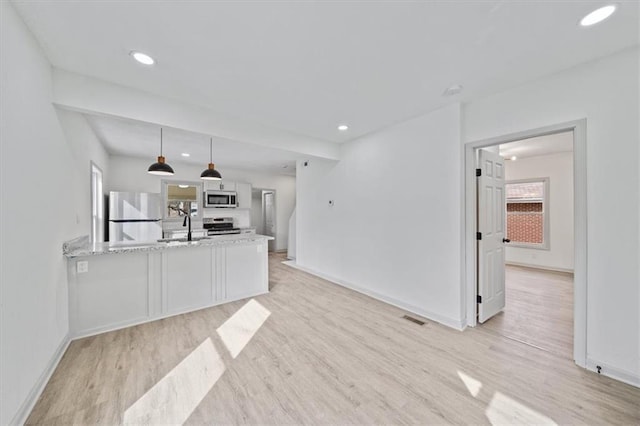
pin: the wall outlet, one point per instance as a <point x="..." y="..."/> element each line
<point x="82" y="266"/>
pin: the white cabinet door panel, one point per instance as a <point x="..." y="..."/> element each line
<point x="188" y="278"/>
<point x="114" y="291"/>
<point x="240" y="280"/>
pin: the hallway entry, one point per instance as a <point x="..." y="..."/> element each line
<point x="525" y="225"/>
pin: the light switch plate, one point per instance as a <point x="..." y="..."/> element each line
<point x="82" y="266"/>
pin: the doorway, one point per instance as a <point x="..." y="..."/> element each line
<point x="534" y="219"/>
<point x="263" y="213"/>
<point x="473" y="249"/>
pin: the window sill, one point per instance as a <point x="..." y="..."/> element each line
<point x="529" y="246"/>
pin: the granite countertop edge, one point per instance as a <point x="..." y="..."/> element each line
<point x="84" y="248"/>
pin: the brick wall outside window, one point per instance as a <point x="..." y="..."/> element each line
<point x="525" y="223"/>
<point x="525" y="211"/>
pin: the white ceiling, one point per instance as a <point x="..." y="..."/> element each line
<point x="306" y="67"/>
<point x="541" y="145"/>
<point x="139" y="139"/>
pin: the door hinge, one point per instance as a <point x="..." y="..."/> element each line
<point x="478" y="235"/>
<point x="478" y="172"/>
<point x="479" y="299"/>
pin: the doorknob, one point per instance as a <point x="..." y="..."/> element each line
<point x="506" y="240"/>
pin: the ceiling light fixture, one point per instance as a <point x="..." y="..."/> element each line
<point x="143" y="58"/>
<point x="186" y="154"/>
<point x="343" y="127"/>
<point x="210" y="172"/>
<point x="598" y="15"/>
<point x="514" y="158"/>
<point x="160" y="168"/>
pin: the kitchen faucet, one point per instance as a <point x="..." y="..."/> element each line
<point x="187" y="217"/>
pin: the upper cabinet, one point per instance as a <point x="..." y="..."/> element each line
<point x="219" y="185"/>
<point x="243" y="190"/>
<point x="244" y="195"/>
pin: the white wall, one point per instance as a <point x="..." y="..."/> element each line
<point x="559" y="169"/>
<point x="256" y="211"/>
<point x="606" y="93"/>
<point x="38" y="213"/>
<point x="85" y="147"/>
<point x="394" y="230"/>
<point x="130" y="174"/>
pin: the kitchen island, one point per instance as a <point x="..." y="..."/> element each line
<point x="116" y="285"/>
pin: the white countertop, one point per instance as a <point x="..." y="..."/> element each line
<point x="84" y="248"/>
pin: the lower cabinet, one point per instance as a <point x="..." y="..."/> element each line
<point x="242" y="281"/>
<point x="189" y="281"/>
<point x="125" y="289"/>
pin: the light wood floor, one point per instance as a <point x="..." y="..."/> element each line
<point x="325" y="355"/>
<point x="539" y="309"/>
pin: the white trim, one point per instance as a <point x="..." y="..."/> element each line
<point x="449" y="322"/>
<point x="580" y="225"/>
<point x="625" y="376"/>
<point x="28" y="404"/>
<point x="545" y="268"/>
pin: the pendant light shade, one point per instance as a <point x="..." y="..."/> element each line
<point x="160" y="168"/>
<point x="210" y="172"/>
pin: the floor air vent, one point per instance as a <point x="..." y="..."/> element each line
<point x="412" y="319"/>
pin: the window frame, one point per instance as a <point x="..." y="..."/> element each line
<point x="546" y="217"/>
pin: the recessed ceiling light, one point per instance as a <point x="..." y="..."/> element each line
<point x="514" y="158"/>
<point x="186" y="154"/>
<point x="343" y="127"/>
<point x="452" y="90"/>
<point x="598" y="15"/>
<point x="142" y="57"/>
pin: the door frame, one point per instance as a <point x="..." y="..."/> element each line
<point x="469" y="292"/>
<point x="272" y="243"/>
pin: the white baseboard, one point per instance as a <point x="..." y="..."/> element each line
<point x="625" y="376"/>
<point x="28" y="404"/>
<point x="131" y="323"/>
<point x="546" y="268"/>
<point x="449" y="322"/>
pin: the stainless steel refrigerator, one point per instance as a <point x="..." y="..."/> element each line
<point x="135" y="216"/>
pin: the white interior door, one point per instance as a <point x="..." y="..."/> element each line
<point x="491" y="226"/>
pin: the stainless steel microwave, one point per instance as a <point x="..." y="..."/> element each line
<point x="220" y="199"/>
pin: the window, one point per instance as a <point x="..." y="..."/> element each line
<point x="528" y="213"/>
<point x="97" y="205"/>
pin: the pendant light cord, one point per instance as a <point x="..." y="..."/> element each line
<point x="160" y="141"/>
<point x="211" y="150"/>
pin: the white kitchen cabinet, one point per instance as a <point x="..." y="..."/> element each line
<point x="219" y="185"/>
<point x="124" y="289"/>
<point x="241" y="281"/>
<point x="110" y="295"/>
<point x="244" y="195"/>
<point x="188" y="279"/>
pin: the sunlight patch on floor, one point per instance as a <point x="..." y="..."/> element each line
<point x="503" y="410"/>
<point x="473" y="385"/>
<point x="238" y="330"/>
<point x="176" y="396"/>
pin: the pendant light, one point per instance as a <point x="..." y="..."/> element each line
<point x="160" y="168"/>
<point x="210" y="172"/>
